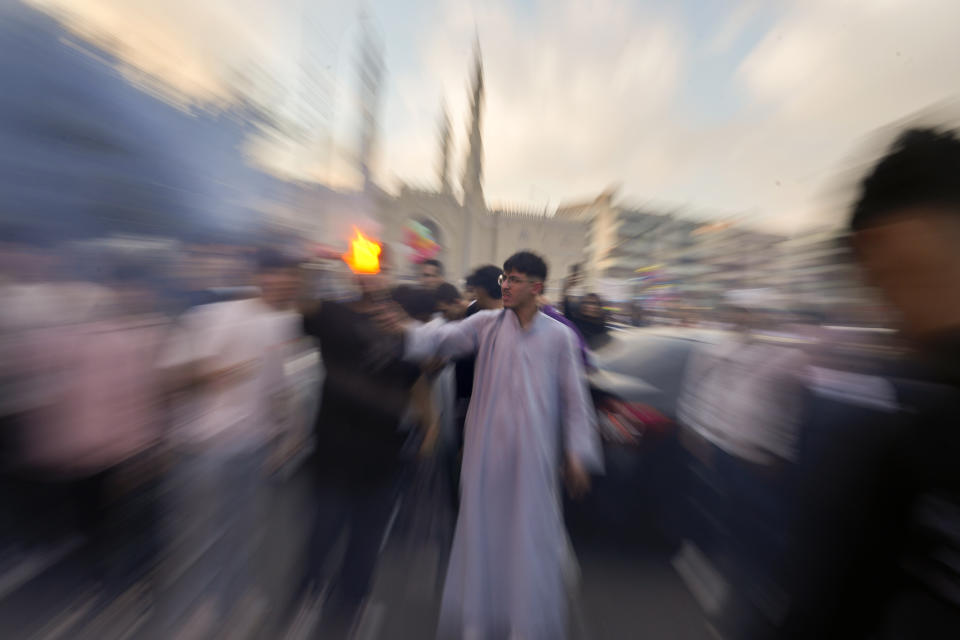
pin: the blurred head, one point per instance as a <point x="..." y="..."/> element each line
<point x="524" y="275"/>
<point x="906" y="230"/>
<point x="485" y="283"/>
<point x="591" y="306"/>
<point x="278" y="278"/>
<point x="417" y="302"/>
<point x="431" y="274"/>
<point x="449" y="302"/>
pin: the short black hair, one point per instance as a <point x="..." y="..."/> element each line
<point x="433" y="263"/>
<point x="922" y="167"/>
<point x="446" y="293"/>
<point x="527" y="263"/>
<point x="416" y="302"/>
<point x="487" y="278"/>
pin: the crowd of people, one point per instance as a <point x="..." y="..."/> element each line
<point x="143" y="416"/>
<point x="145" y="426"/>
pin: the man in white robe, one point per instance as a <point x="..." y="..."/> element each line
<point x="529" y="412"/>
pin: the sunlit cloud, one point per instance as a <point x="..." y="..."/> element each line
<point x="752" y="119"/>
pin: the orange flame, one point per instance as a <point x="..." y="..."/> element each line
<point x="364" y="254"/>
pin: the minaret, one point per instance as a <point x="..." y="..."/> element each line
<point x="444" y="167"/>
<point x="473" y="170"/>
<point x="371" y="76"/>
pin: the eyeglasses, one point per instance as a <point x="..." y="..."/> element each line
<point x="513" y="280"/>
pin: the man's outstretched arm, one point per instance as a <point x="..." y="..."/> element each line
<point x="450" y="340"/>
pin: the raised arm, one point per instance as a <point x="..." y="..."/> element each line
<point x="449" y="340"/>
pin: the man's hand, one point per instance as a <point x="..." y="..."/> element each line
<point x="576" y="476"/>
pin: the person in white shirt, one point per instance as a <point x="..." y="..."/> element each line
<point x="226" y="364"/>
<point x="511" y="562"/>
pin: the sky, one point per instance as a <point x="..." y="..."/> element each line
<point x="757" y="110"/>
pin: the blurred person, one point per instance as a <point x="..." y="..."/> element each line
<point x="88" y="432"/>
<point x="226" y="363"/>
<point x="432" y="497"/>
<point x="450" y="304"/>
<point x="550" y="311"/>
<point x="638" y="317"/>
<point x="431" y="273"/>
<point x="590" y="319"/>
<point x="427" y="518"/>
<point x="485" y="284"/>
<point x="739" y="408"/>
<point x="45" y="302"/>
<point x="888" y="519"/>
<point x="452" y="307"/>
<point x="511" y="558"/>
<point x="419" y="303"/>
<point x="572" y="291"/>
<point x="359" y="443"/>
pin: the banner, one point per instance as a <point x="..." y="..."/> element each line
<point x="420" y="240"/>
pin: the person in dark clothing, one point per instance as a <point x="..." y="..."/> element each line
<point x="431" y="274"/>
<point x="450" y="303"/>
<point x="485" y="284"/>
<point x="365" y="393"/>
<point x="879" y="513"/>
<point x="590" y="318"/>
<point x="417" y="302"/>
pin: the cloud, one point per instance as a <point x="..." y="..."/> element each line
<point x="584" y="94"/>
<point x="563" y="92"/>
<point x="830" y="74"/>
<point x="212" y="54"/>
<point x="579" y="94"/>
<point x="194" y="48"/>
<point x="734" y="25"/>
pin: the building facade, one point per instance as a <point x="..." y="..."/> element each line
<point x="469" y="232"/>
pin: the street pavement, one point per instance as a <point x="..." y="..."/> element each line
<point x="627" y="589"/>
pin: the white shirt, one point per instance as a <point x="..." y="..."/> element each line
<point x="234" y="410"/>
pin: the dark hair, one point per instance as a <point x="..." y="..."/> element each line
<point x="416" y="302"/>
<point x="446" y="293"/>
<point x="433" y="263"/>
<point x="272" y="260"/>
<point x="922" y="167"/>
<point x="487" y="278"/>
<point x="527" y="263"/>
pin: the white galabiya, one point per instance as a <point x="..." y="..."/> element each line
<point x="507" y="577"/>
